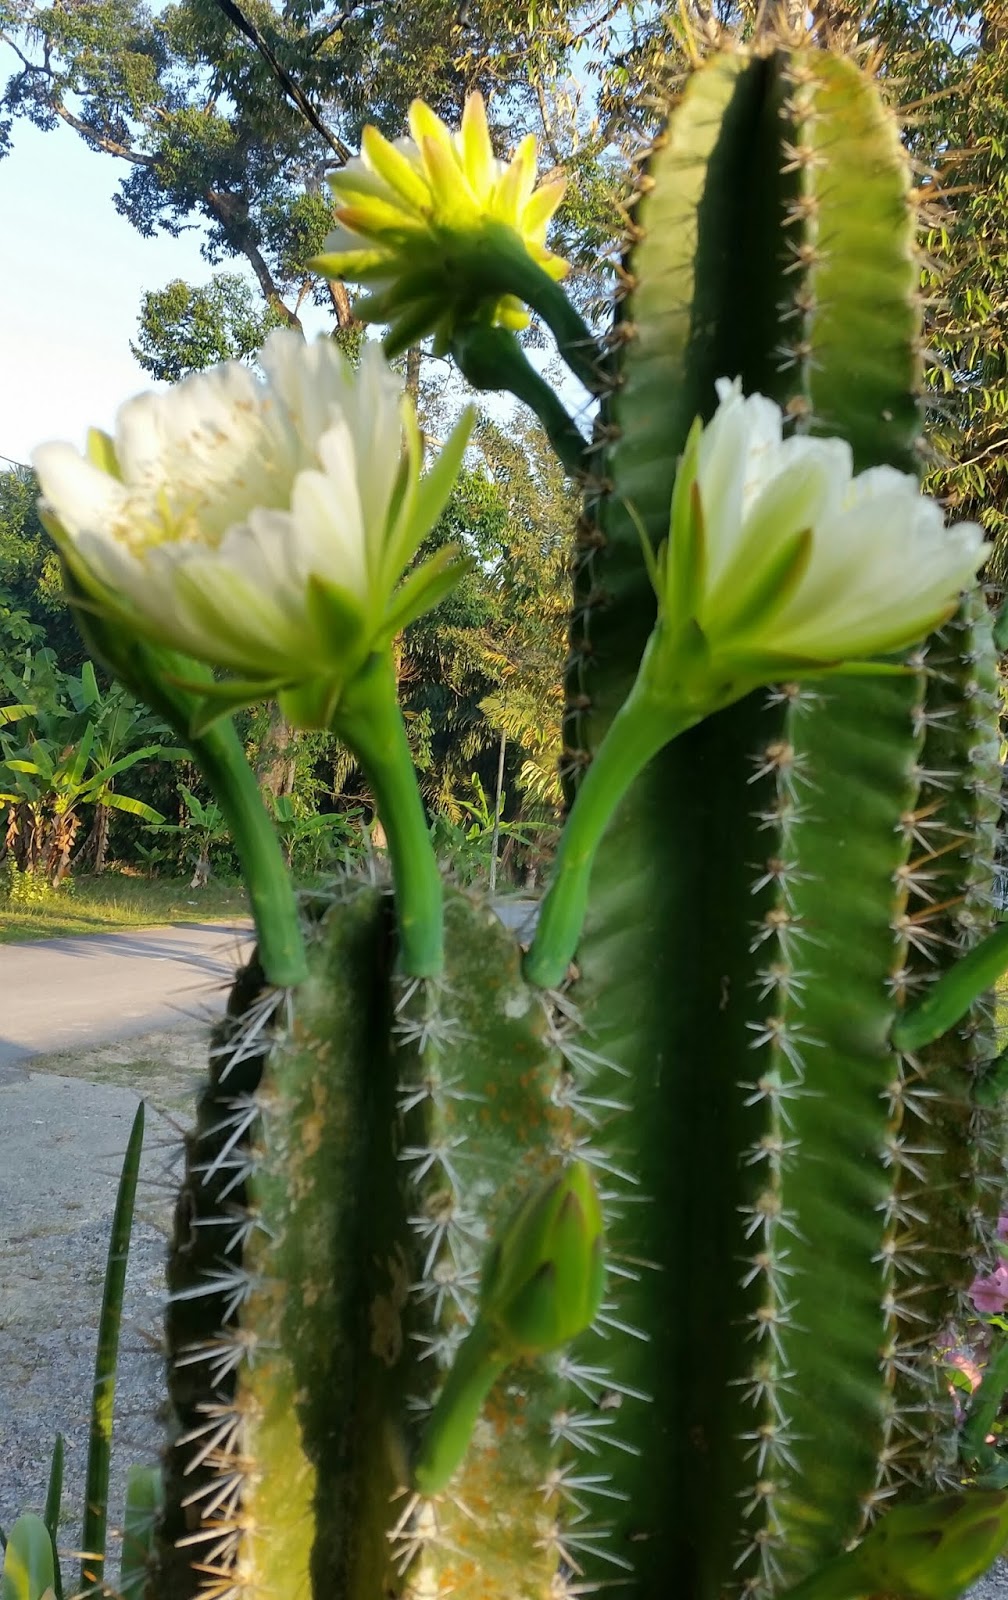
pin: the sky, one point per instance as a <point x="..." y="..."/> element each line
<point x="72" y="274"/>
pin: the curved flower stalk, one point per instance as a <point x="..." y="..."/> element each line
<point x="264" y="528"/>
<point x="434" y="223"/>
<point x="779" y="564"/>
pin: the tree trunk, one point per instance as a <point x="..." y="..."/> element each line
<point x="95" y="846"/>
<point x="64" y="829"/>
<point x="495" y="840"/>
<point x="102" y="821"/>
<point x="413" y="356"/>
<point x="276" y="765"/>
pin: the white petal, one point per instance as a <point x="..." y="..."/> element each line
<point x="80" y="494"/>
<point x="737" y="455"/>
<point x="326" y="513"/>
<point x="378" y="439"/>
<point x="251" y="633"/>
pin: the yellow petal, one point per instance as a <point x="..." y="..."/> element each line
<point x="477" y="151"/>
<point x="426" y="124"/>
<point x="380" y="219"/>
<point x="454" y="200"/>
<point x="514" y="188"/>
<point x="398" y="172"/>
<point x="541" y="206"/>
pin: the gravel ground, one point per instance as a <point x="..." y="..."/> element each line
<point x="62" y="1135"/>
<point x="61" y="1144"/>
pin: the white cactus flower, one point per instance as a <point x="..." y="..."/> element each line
<point x="780" y="562"/>
<point x="261" y="526"/>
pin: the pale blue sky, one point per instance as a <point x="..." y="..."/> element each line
<point x="72" y="273"/>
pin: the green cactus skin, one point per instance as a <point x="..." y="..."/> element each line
<point x="752" y="918"/>
<point x="793" y="1209"/>
<point x="370" y="1153"/>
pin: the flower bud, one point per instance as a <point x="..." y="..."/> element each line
<point x="543" y="1280"/>
<point x="935" y="1550"/>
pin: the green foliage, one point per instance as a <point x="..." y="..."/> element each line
<point x="203" y="839"/>
<point x="32" y="604"/>
<point x="184" y="329"/>
<point x="67" y="747"/>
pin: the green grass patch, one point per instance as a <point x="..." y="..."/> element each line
<point x="118" y="900"/>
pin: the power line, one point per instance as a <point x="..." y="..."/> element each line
<point x="291" y="89"/>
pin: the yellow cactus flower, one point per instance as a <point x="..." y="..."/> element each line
<point x="432" y="223"/>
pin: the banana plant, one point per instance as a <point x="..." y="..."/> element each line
<point x="751" y="1043"/>
<point x="71" y="745"/>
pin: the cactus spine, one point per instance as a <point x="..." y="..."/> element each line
<point x="791" y="1206"/>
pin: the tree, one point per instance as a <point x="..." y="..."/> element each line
<point x="30" y="582"/>
<point x="64" y="751"/>
<point x="188" y="101"/>
<point x="183" y="329"/>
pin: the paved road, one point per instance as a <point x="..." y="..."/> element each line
<point x="58" y="993"/>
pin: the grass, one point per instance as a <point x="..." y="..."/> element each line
<point x="118" y="900"/>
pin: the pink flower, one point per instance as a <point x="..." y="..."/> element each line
<point x="990" y="1294"/>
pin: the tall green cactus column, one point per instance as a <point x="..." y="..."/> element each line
<point x="752" y="920"/>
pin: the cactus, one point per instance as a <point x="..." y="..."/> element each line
<point x="793" y="1206"/>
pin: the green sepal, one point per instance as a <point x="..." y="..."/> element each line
<point x="144" y="1499"/>
<point x="101" y="451"/>
<point x="426" y="588"/>
<point x="435" y="486"/>
<point x="312" y="704"/>
<point x="683" y="573"/>
<point x="770" y="586"/>
<point x="338" y="616"/>
<point x="543" y="1280"/>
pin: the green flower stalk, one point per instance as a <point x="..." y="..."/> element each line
<point x="779" y="564"/>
